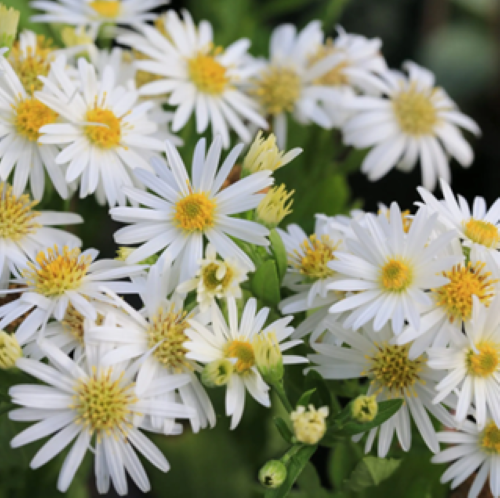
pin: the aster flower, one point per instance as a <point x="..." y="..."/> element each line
<point x="105" y="134"/>
<point x="472" y="362"/>
<point x="198" y="77"/>
<point x="414" y="120"/>
<point x="66" y="409"/>
<point x="390" y="272"/>
<point x="181" y="212"/>
<point x="58" y="277"/>
<point x="392" y="375"/>
<point x="233" y="341"/>
<point x="156" y="336"/>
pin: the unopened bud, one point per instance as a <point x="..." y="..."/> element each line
<point x="309" y="425"/>
<point x="364" y="408"/>
<point x="273" y="474"/>
<point x="9" y="19"/>
<point x="10" y="351"/>
<point x="274" y="207"/>
<point x="268" y="358"/>
<point x="217" y="373"/>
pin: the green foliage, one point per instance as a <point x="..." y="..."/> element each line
<point x="265" y="283"/>
<point x="279" y="253"/>
<point x="284" y="429"/>
<point x="371" y="471"/>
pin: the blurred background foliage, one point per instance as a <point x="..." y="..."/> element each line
<point x="457" y="39"/>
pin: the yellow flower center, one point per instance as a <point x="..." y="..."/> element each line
<point x="207" y="74"/>
<point x="107" y="131"/>
<point x="482" y="232"/>
<point x="312" y="260"/>
<point x="395" y="276"/>
<point x="210" y="280"/>
<point x="16" y="216"/>
<point x="31" y="115"/>
<point x="58" y="271"/>
<point x="490" y="439"/>
<point x="104" y="404"/>
<point x="73" y="322"/>
<point x="167" y="333"/>
<point x="465" y="282"/>
<point x="415" y="112"/>
<point x="393" y="370"/>
<point x="195" y="212"/>
<point x="335" y="76"/>
<point x="278" y="89"/>
<point x="243" y="351"/>
<point x="106" y="8"/>
<point x="485" y="362"/>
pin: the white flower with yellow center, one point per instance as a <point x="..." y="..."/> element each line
<point x="181" y="212"/>
<point x="215" y="279"/>
<point x="473" y="364"/>
<point x="389" y="271"/>
<point x="157" y="334"/>
<point x="24" y="231"/>
<point x="199" y="77"/>
<point x="98" y="405"/>
<point x="58" y="277"/>
<point x="392" y="374"/>
<point x="474" y="449"/>
<point x="105" y="134"/>
<point x="236" y="341"/>
<point x="415" y="120"/>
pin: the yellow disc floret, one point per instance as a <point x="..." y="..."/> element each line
<point x="217" y="276"/>
<point x="396" y="275"/>
<point x="482" y="232"/>
<point x="166" y="333"/>
<point x="465" y="282"/>
<point x="195" y="212"/>
<point x="30" y="116"/>
<point x="107" y="132"/>
<point x="312" y="260"/>
<point x="104" y="404"/>
<point x="243" y="351"/>
<point x="57" y="271"/>
<point x="415" y="112"/>
<point x="485" y="361"/>
<point x="490" y="439"/>
<point x="209" y="75"/>
<point x="106" y="8"/>
<point x="17" y="219"/>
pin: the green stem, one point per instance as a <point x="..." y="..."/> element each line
<point x="291" y="452"/>
<point x="280" y="391"/>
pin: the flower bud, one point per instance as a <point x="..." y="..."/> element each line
<point x="274" y="207"/>
<point x="273" y="474"/>
<point x="10" y="351"/>
<point x="217" y="373"/>
<point x="9" y="19"/>
<point x="364" y="408"/>
<point x="268" y="358"/>
<point x="309" y="425"/>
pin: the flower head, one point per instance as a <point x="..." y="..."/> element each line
<point x="309" y="424"/>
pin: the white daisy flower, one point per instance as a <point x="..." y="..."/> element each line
<point x="215" y="279"/>
<point x="474" y="449"/>
<point x="392" y="375"/>
<point x="182" y="212"/>
<point x="234" y="341"/>
<point x="473" y="363"/>
<point x="98" y="405"/>
<point x="106" y="134"/>
<point x="199" y="77"/>
<point x="58" y="277"/>
<point x="390" y="273"/>
<point x="157" y="334"/>
<point x="24" y="231"/>
<point x="414" y="120"/>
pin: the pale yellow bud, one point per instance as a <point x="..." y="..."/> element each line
<point x="217" y="373"/>
<point x="275" y="206"/>
<point x="273" y="474"/>
<point x="73" y="37"/>
<point x="10" y="351"/>
<point x="9" y="20"/>
<point x="268" y="358"/>
<point x="309" y="425"/>
<point x="364" y="408"/>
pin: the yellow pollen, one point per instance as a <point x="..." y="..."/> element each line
<point x="482" y="232"/>
<point x="278" y="89"/>
<point x="108" y="133"/>
<point x="73" y="322"/>
<point x="167" y="333"/>
<point x="210" y="280"/>
<point x="106" y="8"/>
<point x="395" y="276"/>
<point x="195" y="212"/>
<point x="208" y="74"/>
<point x="485" y="362"/>
<point x="415" y="112"/>
<point x="490" y="439"/>
<point x="465" y="282"/>
<point x="16" y="216"/>
<point x="316" y="253"/>
<point x="393" y="370"/>
<point x="58" y="271"/>
<point x="335" y="76"/>
<point x="103" y="404"/>
<point x="243" y="351"/>
<point x="31" y="115"/>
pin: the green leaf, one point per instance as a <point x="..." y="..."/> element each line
<point x="321" y="396"/>
<point x="343" y="460"/>
<point x="265" y="283"/>
<point x="283" y="429"/>
<point x="279" y="253"/>
<point x="294" y="468"/>
<point x="305" y="398"/>
<point x="371" y="471"/>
